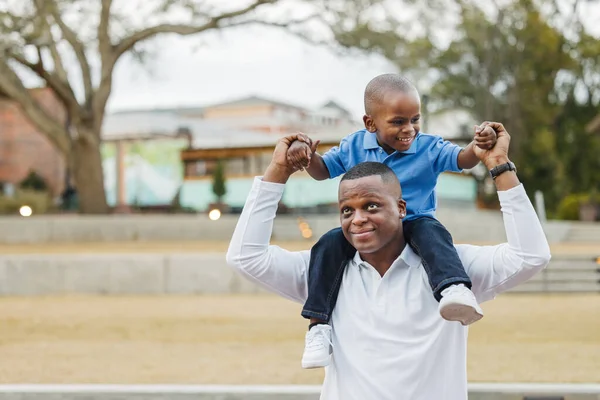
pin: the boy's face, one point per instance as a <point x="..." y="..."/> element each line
<point x="396" y="120"/>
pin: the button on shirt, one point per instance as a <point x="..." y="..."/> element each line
<point x="417" y="168"/>
<point x="389" y="341"/>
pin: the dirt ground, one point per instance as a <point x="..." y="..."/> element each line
<point x="211" y="246"/>
<point x="259" y="339"/>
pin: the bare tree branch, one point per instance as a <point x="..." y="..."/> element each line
<point x="13" y="87"/>
<point x="61" y="88"/>
<point x="56" y="59"/>
<point x="50" y="42"/>
<point x="104" y="44"/>
<point x="78" y="47"/>
<point x="130" y="41"/>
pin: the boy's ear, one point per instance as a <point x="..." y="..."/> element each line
<point x="369" y="123"/>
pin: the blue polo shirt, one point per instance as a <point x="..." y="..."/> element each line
<point x="417" y="168"/>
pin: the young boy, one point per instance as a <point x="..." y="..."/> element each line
<point x="391" y="136"/>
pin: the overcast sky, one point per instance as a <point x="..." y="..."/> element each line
<point x="251" y="61"/>
<point x="239" y="63"/>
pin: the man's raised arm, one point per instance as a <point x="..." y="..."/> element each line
<point x="272" y="267"/>
<point x="495" y="269"/>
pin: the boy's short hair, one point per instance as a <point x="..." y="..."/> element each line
<point x="377" y="87"/>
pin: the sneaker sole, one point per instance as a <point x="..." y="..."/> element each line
<point x="315" y="363"/>
<point x="466" y="315"/>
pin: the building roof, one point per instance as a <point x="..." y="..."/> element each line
<point x="333" y="104"/>
<point x="254" y="100"/>
<point x="205" y="134"/>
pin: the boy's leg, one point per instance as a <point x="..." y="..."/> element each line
<point x="328" y="258"/>
<point x="450" y="283"/>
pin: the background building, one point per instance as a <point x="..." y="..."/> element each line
<point x="240" y="134"/>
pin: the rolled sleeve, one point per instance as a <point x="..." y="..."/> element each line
<point x="445" y="156"/>
<point x="333" y="159"/>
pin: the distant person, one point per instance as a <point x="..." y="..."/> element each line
<point x="69" y="199"/>
<point x="391" y="136"/>
<point x="390" y="341"/>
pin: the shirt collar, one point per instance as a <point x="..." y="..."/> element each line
<point x="408" y="257"/>
<point x="370" y="143"/>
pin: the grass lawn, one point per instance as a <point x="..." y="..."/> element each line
<point x="259" y="339"/>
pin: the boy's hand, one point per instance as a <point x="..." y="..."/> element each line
<point x="301" y="151"/>
<point x="485" y="136"/>
<point x="499" y="153"/>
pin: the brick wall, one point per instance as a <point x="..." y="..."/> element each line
<point x="23" y="148"/>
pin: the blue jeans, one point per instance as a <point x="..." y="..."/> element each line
<point x="328" y="258"/>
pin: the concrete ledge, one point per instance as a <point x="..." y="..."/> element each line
<point x="51" y="274"/>
<point x="465" y="226"/>
<point x="480" y="391"/>
<point x="200" y="273"/>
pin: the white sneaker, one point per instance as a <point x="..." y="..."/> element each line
<point x="458" y="303"/>
<point x="317" y="347"/>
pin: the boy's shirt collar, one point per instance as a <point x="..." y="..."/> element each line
<point x="370" y="143"/>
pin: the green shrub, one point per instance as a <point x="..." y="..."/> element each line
<point x="568" y="209"/>
<point x="40" y="202"/>
<point x="33" y="181"/>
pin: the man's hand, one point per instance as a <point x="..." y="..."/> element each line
<point x="498" y="154"/>
<point x="301" y="151"/>
<point x="485" y="137"/>
<point x="279" y="170"/>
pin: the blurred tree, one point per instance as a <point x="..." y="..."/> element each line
<point x="218" y="184"/>
<point x="72" y="46"/>
<point x="529" y="64"/>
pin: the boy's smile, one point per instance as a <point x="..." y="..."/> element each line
<point x="396" y="120"/>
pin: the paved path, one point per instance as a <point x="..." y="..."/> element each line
<point x="212" y="246"/>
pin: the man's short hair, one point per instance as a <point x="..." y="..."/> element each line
<point x="371" y="168"/>
<point x="377" y="87"/>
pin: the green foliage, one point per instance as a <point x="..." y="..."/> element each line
<point x="218" y="186"/>
<point x="568" y="208"/>
<point x="40" y="202"/>
<point x="35" y="182"/>
<point x="526" y="63"/>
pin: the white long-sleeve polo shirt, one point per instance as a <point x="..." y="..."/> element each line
<point x="389" y="341"/>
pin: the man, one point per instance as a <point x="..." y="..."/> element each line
<point x="390" y="342"/>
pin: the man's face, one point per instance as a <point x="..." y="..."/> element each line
<point x="396" y="120"/>
<point x="371" y="213"/>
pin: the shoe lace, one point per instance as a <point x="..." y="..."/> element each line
<point x="317" y="340"/>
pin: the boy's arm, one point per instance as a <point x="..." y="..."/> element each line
<point x="303" y="154"/>
<point x="467" y="158"/>
<point x="317" y="168"/>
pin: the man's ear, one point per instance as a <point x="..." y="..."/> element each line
<point x="402" y="208"/>
<point x="369" y="123"/>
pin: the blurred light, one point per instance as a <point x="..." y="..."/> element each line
<point x="307" y="233"/>
<point x="214" y="214"/>
<point x="598" y="260"/>
<point x="303" y="225"/>
<point x="25" y="211"/>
